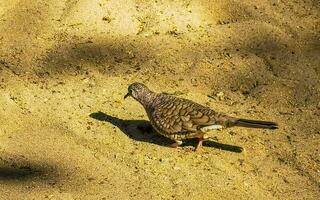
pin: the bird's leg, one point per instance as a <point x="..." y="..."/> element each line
<point x="200" y="141"/>
<point x="176" y="144"/>
<point x="201" y="138"/>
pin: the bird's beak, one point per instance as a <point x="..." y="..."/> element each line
<point x="125" y="96"/>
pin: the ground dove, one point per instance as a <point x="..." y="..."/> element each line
<point x="179" y="119"/>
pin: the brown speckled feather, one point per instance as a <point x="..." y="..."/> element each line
<point x="180" y="118"/>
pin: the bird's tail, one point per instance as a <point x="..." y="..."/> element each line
<point x="255" y="124"/>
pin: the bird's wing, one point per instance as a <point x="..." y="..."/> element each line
<point x="178" y="116"/>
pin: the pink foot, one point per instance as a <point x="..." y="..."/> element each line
<point x="199" y="145"/>
<point x="176" y="145"/>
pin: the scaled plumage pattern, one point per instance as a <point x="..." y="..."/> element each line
<point x="178" y="118"/>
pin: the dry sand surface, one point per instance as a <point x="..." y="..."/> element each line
<point x="67" y="133"/>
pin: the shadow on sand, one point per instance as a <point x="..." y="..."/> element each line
<point x="141" y="130"/>
<point x="12" y="169"/>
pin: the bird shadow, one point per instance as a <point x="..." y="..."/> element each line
<point x="141" y="130"/>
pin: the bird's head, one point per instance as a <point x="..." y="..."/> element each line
<point x="137" y="91"/>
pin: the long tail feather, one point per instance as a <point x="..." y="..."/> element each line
<point x="255" y="124"/>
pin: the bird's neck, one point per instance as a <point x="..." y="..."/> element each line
<point x="147" y="98"/>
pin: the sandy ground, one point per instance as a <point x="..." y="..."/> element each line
<point x="67" y="133"/>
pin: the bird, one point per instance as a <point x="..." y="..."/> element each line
<point x="179" y="119"/>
